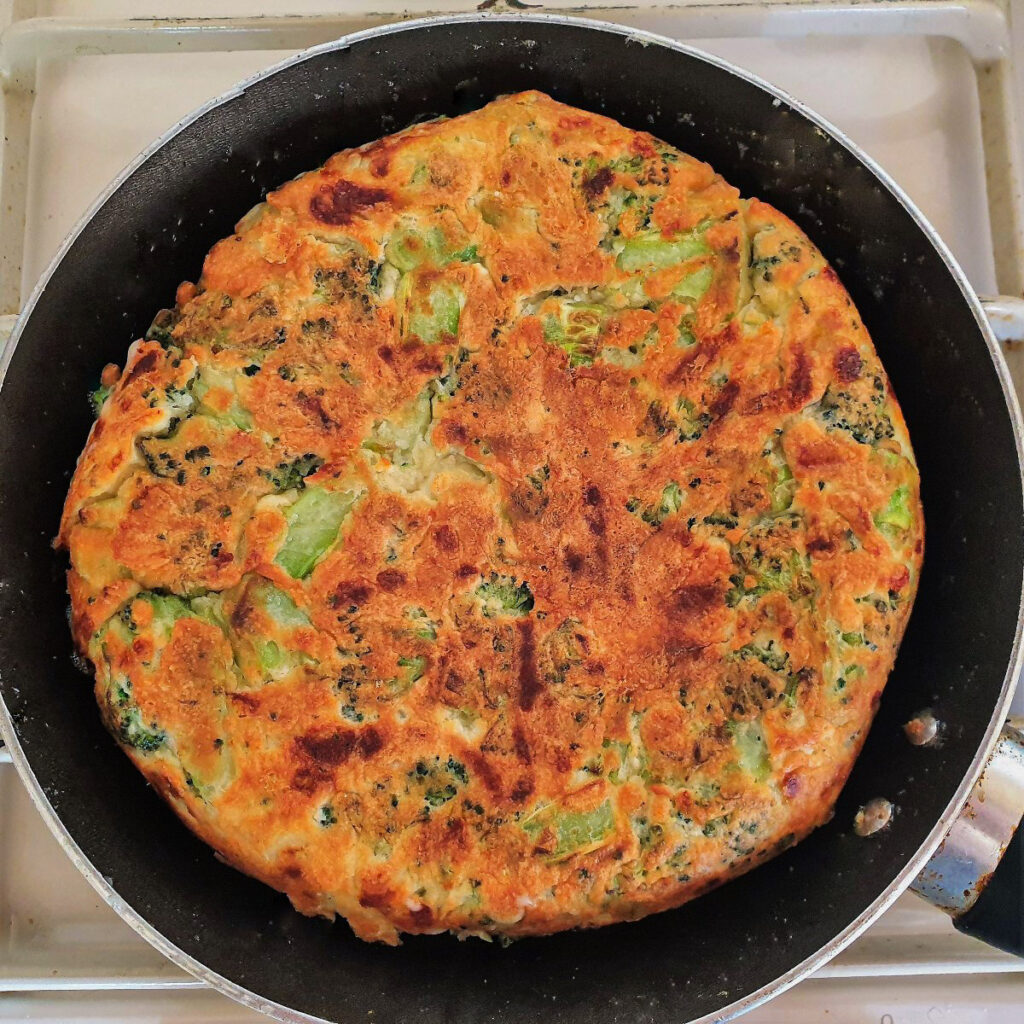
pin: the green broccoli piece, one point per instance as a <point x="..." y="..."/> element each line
<point x="414" y="669"/>
<point x="160" y="330"/>
<point x="689" y="423"/>
<point x="896" y="517"/>
<point x="424" y="627"/>
<point x="502" y="595"/>
<point x="865" y="422"/>
<point x="314" y="522"/>
<point x="410" y="249"/>
<point x="768" y="654"/>
<point x="694" y="285"/>
<point x="654" y="515"/>
<point x="764" y="554"/>
<point x="286" y="476"/>
<point x="782" y="484"/>
<point x="574" y="831"/>
<point x="436" y="319"/>
<point x="650" y="251"/>
<point x="575" y="330"/>
<point x="326" y="816"/>
<point x="99" y="396"/>
<point x="751" y="749"/>
<point x="125" y="718"/>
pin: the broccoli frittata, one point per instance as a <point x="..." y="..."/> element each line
<point x="512" y="530"/>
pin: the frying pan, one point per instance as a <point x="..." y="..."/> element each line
<point x="728" y="950"/>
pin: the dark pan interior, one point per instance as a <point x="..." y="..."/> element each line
<point x="154" y="233"/>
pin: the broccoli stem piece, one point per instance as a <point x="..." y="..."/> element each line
<point x="751" y="749"/>
<point x="694" y="285"/>
<point x="573" y="831"/>
<point x="896" y="517"/>
<point x="439" y="321"/>
<point x="313" y="525"/>
<point x="650" y="251"/>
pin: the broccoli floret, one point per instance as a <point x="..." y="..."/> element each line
<point x="288" y="475"/>
<point x="539" y="477"/>
<point x="654" y="515"/>
<point x="326" y="816"/>
<point x="99" y="396"/>
<point x="407" y="250"/>
<point x="440" y="780"/>
<point x="781" y="482"/>
<point x="502" y="595"/>
<point x="167" y="609"/>
<point x="866" y="422"/>
<point x="766" y="556"/>
<point x="768" y="654"/>
<point x="722" y="519"/>
<point x="127" y="724"/>
<point x="896" y="517"/>
<point x="162" y="326"/>
<point x="689" y="423"/>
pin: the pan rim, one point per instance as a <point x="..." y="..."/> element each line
<point x="642" y="38"/>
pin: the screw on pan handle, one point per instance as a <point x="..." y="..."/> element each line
<point x="977" y="874"/>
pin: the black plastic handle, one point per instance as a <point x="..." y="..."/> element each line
<point x="998" y="915"/>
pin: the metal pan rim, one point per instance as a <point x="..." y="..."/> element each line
<point x="641" y="38"/>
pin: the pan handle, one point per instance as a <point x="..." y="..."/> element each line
<point x="977" y="873"/>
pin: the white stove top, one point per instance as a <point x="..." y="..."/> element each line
<point x="901" y="79"/>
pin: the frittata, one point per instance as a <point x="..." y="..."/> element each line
<point x="513" y="530"/>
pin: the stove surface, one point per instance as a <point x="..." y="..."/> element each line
<point x="910" y="99"/>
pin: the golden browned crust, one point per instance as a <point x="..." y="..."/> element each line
<point x="513" y="530"/>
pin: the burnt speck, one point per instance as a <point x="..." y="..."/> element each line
<point x="340" y="202"/>
<point x="847" y="364"/>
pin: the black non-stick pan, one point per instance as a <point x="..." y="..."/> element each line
<point x="729" y="949"/>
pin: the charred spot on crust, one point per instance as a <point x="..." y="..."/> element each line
<point x="335" y="748"/>
<point x="847" y="364"/>
<point x="529" y="681"/>
<point x="444" y="537"/>
<point x="350" y="594"/>
<point x="390" y="580"/>
<point x="143" y="365"/>
<point x="247" y="700"/>
<point x="724" y="399"/>
<point x="338" y="203"/>
<point x="521" y="790"/>
<point x="695" y="598"/>
<point x="800" y="380"/>
<point x="596" y="184"/>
